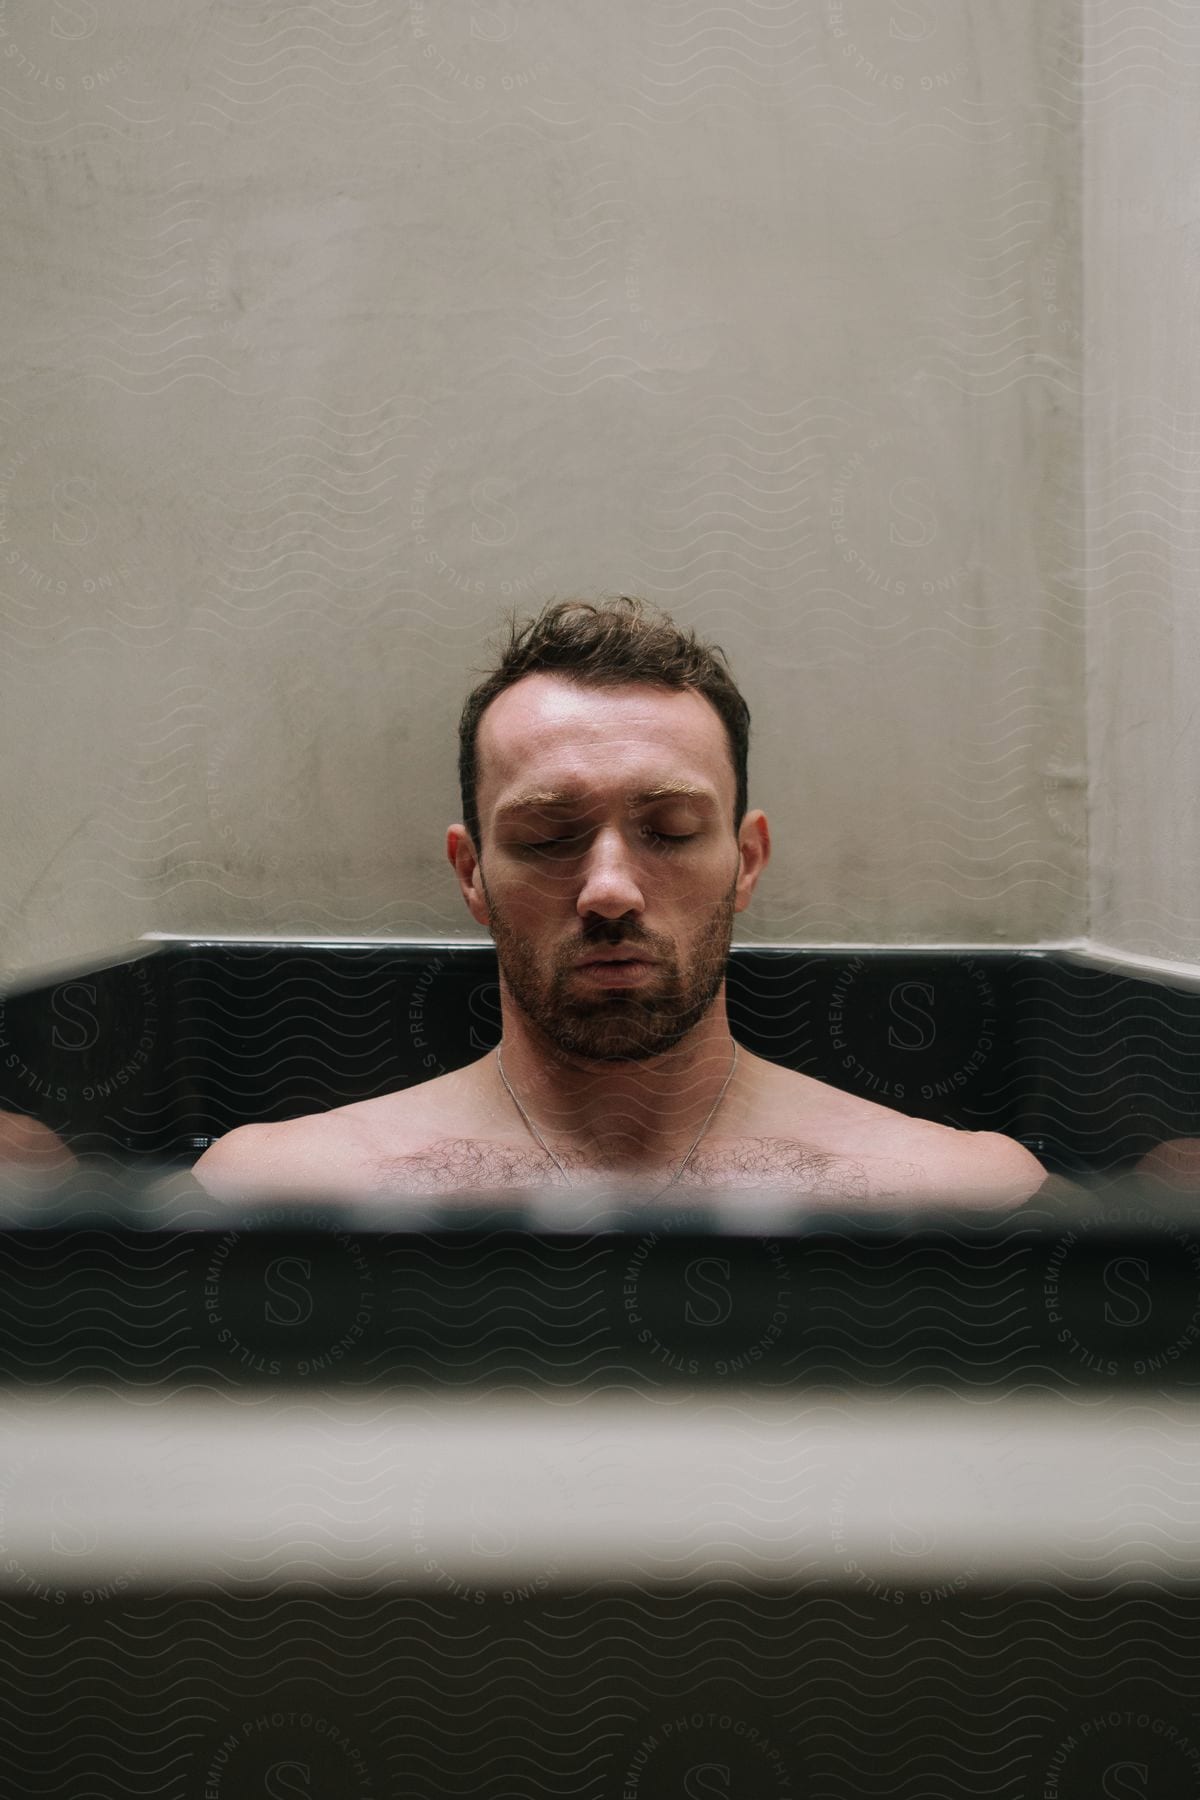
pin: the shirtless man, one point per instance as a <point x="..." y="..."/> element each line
<point x="606" y="846"/>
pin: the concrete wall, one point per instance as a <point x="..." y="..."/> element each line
<point x="334" y="328"/>
<point x="1142" y="278"/>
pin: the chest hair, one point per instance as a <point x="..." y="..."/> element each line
<point x="449" y="1164"/>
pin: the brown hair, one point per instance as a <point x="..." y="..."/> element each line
<point x="606" y="644"/>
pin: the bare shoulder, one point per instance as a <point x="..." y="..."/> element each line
<point x="294" y="1156"/>
<point x="982" y="1165"/>
<point x="331" y="1152"/>
<point x="933" y="1160"/>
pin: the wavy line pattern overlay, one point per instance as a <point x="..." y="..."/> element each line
<point x="855" y="333"/>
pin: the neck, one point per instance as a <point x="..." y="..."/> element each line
<point x="634" y="1114"/>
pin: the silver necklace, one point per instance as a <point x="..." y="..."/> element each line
<point x="554" y="1159"/>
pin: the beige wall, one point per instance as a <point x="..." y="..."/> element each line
<point x="334" y="327"/>
<point x="1142" y="274"/>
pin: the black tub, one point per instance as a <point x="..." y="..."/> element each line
<point x="155" y="1057"/>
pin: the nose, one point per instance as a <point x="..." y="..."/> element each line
<point x="609" y="887"/>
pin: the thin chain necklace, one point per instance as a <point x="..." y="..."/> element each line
<point x="549" y="1152"/>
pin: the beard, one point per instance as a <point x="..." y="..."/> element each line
<point x="622" y="1024"/>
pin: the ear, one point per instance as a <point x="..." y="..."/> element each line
<point x="461" y="852"/>
<point x="754" y="847"/>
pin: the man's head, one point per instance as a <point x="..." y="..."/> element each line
<point x="605" y="645"/>
<point x="603" y="772"/>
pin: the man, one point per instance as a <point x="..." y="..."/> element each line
<point x="606" y="845"/>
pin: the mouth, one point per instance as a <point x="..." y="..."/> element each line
<point x="615" y="971"/>
<point x="618" y="960"/>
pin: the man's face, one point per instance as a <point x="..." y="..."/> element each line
<point x="606" y="816"/>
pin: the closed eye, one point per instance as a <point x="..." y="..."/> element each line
<point x="661" y="838"/>
<point x="551" y="843"/>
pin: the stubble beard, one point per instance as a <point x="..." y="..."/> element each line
<point x="624" y="1024"/>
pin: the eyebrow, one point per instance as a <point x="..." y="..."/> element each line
<point x="550" y="799"/>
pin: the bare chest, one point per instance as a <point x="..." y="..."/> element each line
<point x="454" y="1164"/>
